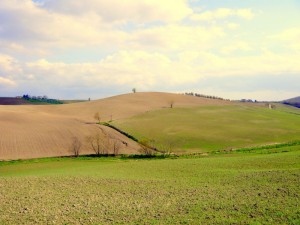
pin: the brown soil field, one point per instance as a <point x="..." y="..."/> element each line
<point x="33" y="131"/>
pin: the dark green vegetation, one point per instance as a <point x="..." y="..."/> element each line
<point x="120" y="131"/>
<point x="15" y="101"/>
<point x="212" y="128"/>
<point x="42" y="101"/>
<point x="232" y="188"/>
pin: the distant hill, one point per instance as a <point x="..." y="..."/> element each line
<point x="16" y="101"/>
<point x="22" y="101"/>
<point x="293" y="101"/>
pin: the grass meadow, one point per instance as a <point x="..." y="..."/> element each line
<point x="210" y="128"/>
<point x="257" y="187"/>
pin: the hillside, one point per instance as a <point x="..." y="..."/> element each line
<point x="31" y="131"/>
<point x="212" y="128"/>
<point x="25" y="134"/>
<point x="293" y="102"/>
<point x="122" y="106"/>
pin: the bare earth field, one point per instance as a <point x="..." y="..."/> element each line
<point x="32" y="131"/>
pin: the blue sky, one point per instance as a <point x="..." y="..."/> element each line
<point x="98" y="48"/>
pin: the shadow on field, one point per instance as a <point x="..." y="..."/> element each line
<point x="134" y="156"/>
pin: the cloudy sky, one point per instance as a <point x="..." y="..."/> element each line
<point x="96" y="48"/>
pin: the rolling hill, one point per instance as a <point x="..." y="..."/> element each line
<point x="213" y="128"/>
<point x="32" y="131"/>
<point x="293" y="102"/>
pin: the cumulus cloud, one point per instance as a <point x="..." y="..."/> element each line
<point x="289" y="37"/>
<point x="139" y="11"/>
<point x="36" y="28"/>
<point x="176" y="37"/>
<point x="5" y="82"/>
<point x="127" y="68"/>
<point x="233" y="26"/>
<point x="150" y="70"/>
<point x="148" y="44"/>
<point x="222" y="13"/>
<point x="237" y="46"/>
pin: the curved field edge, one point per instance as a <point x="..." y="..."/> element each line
<point x="223" y="189"/>
<point x="212" y="128"/>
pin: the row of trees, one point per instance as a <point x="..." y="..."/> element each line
<point x="98" y="143"/>
<point x="101" y="145"/>
<point x="43" y="98"/>
<point x="205" y="96"/>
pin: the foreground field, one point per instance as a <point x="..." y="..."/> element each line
<point x="254" y="188"/>
<point x="210" y="128"/>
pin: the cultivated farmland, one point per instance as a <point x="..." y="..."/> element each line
<point x="244" y="188"/>
<point x="234" y="163"/>
<point x="32" y="131"/>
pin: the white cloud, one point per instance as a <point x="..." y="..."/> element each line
<point x="7" y="63"/>
<point x="148" y="44"/>
<point x="233" y="26"/>
<point x="5" y="82"/>
<point x="222" y="13"/>
<point x="38" y="29"/>
<point x="244" y="13"/>
<point x="136" y="68"/>
<point x="150" y="70"/>
<point x="139" y="11"/>
<point x="176" y="37"/>
<point x="57" y="25"/>
<point x="236" y="46"/>
<point x="289" y="37"/>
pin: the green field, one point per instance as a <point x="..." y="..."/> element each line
<point x="205" y="129"/>
<point x="261" y="187"/>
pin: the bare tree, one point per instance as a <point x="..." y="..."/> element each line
<point x="99" y="143"/>
<point x="105" y="145"/>
<point x="115" y="144"/>
<point x="97" y="116"/>
<point x="75" y="146"/>
<point x="171" y="103"/>
<point x="133" y="90"/>
<point x="94" y="141"/>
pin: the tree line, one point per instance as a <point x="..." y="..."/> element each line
<point x="43" y="98"/>
<point x="205" y="96"/>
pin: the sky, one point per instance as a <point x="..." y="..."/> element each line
<point x="68" y="49"/>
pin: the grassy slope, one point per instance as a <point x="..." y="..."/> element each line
<point x="226" y="189"/>
<point x="215" y="127"/>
